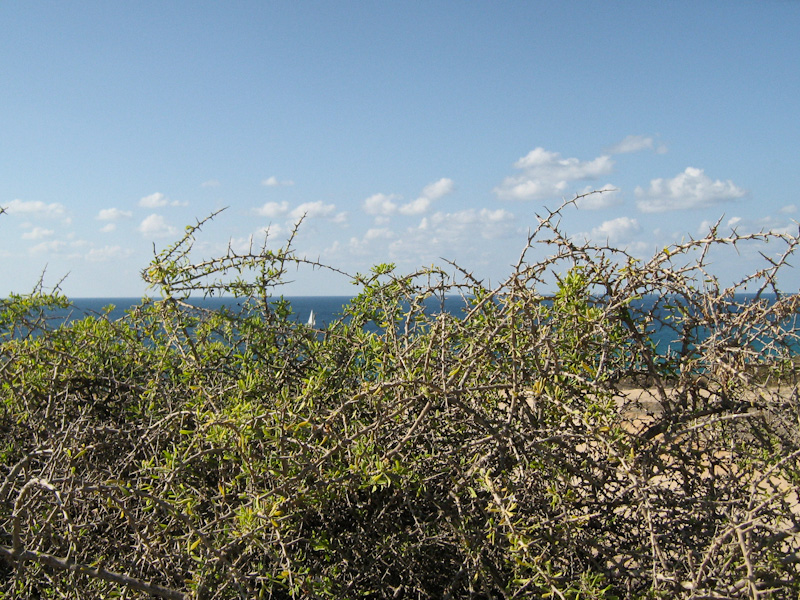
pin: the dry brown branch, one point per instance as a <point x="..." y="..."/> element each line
<point x="66" y="564"/>
<point x="534" y="441"/>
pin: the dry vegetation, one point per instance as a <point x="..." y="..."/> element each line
<point x="531" y="446"/>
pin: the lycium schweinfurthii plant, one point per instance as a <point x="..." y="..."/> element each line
<point x="506" y="451"/>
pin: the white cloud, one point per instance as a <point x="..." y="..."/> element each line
<point x="264" y="237"/>
<point x="490" y="224"/>
<point x="273" y="210"/>
<point x="547" y="175"/>
<point x="437" y="189"/>
<point x="37" y="233"/>
<point x="416" y="207"/>
<point x="690" y="189"/>
<point x="154" y="200"/>
<point x="733" y="222"/>
<point x="210" y="183"/>
<point x="381" y="204"/>
<point x="550" y="164"/>
<point x="243" y="245"/>
<point x="108" y="228"/>
<point x="745" y="226"/>
<point x="495" y="216"/>
<point x="107" y="253"/>
<point x="621" y="229"/>
<point x="430" y="193"/>
<point x="158" y="200"/>
<point x="788" y="209"/>
<point x="447" y="233"/>
<point x="374" y="235"/>
<point x="275" y="182"/>
<point x="273" y="231"/>
<point x="632" y="143"/>
<point x="113" y="214"/>
<point x="53" y="246"/>
<point x="309" y="210"/>
<point x="705" y="227"/>
<point x="595" y="199"/>
<point x="313" y="210"/>
<point x="441" y="234"/>
<point x="379" y="233"/>
<point x="35" y="208"/>
<point x="156" y="226"/>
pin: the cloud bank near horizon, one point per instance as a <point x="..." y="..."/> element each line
<point x="428" y="225"/>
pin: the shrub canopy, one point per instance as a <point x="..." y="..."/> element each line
<point x="535" y="444"/>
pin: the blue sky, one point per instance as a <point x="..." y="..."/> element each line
<point x="405" y="132"/>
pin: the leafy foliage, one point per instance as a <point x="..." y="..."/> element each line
<point x="532" y="445"/>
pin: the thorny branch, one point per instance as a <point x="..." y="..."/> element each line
<point x="531" y="441"/>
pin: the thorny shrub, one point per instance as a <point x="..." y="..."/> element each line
<point x="524" y="445"/>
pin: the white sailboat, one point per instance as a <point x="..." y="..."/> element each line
<point x="312" y="320"/>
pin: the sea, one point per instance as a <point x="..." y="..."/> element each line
<point x="326" y="308"/>
<point x="322" y="310"/>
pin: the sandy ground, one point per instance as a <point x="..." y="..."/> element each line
<point x="641" y="407"/>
